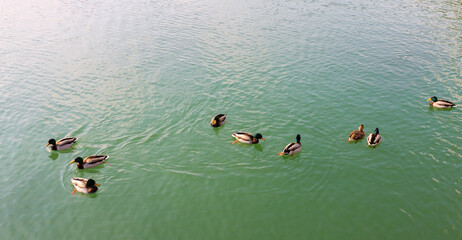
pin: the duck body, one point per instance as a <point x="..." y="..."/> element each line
<point x="90" y="161"/>
<point x="357" y="135"/>
<point x="61" y="144"/>
<point x="84" y="185"/>
<point x="440" y="103"/>
<point x="248" y="138"/>
<point x="292" y="148"/>
<point x="374" y="138"/>
<point x="218" y="120"/>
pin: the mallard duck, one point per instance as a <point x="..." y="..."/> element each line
<point x="440" y="103"/>
<point x="245" y="137"/>
<point x="84" y="185"/>
<point x="218" y="120"/>
<point x="61" y="144"/>
<point x="90" y="161"/>
<point x="374" y="138"/>
<point x="292" y="148"/>
<point x="357" y="135"/>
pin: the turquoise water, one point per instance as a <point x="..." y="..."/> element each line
<point x="140" y="81"/>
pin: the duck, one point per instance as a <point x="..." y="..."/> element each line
<point x="245" y="137"/>
<point x="218" y="120"/>
<point x="374" y="138"/>
<point x="292" y="148"/>
<point x="440" y="103"/>
<point x="357" y="135"/>
<point x="61" y="144"/>
<point x="90" y="161"/>
<point x="84" y="185"/>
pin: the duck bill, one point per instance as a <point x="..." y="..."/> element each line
<point x="96" y="184"/>
<point x="263" y="139"/>
<point x="429" y="99"/>
<point x="73" y="161"/>
<point x="48" y="144"/>
<point x="280" y="154"/>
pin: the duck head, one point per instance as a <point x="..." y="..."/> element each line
<point x="77" y="160"/>
<point x="51" y="142"/>
<point x="91" y="183"/>
<point x="259" y="136"/>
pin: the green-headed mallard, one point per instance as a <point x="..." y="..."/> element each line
<point x="374" y="138"/>
<point x="245" y="137"/>
<point x="357" y="135"/>
<point x="218" y="120"/>
<point x="90" y="161"/>
<point x="84" y="185"/>
<point x="440" y="103"/>
<point x="61" y="144"/>
<point x="292" y="148"/>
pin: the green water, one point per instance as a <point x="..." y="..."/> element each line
<point x="140" y="81"/>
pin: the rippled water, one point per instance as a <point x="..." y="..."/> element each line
<point x="140" y="81"/>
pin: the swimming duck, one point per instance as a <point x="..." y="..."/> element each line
<point x="440" y="103"/>
<point x="292" y="148"/>
<point x="245" y="137"/>
<point x="61" y="144"/>
<point x="374" y="138"/>
<point x="84" y="185"/>
<point x="218" y="120"/>
<point x="357" y="135"/>
<point x="90" y="161"/>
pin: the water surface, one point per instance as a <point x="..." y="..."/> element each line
<point x="140" y="81"/>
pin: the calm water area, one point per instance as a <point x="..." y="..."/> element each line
<point x="140" y="81"/>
